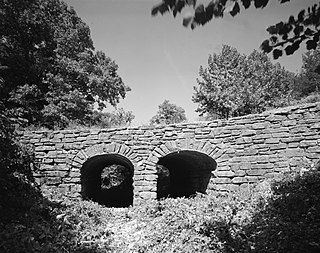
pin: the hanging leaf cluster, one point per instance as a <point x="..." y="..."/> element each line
<point x="285" y="37"/>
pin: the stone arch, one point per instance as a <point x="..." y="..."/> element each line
<point x="183" y="167"/>
<point x="106" y="173"/>
<point x="185" y="144"/>
<point x="100" y="149"/>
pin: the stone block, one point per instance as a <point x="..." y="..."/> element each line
<point x="264" y="166"/>
<point x="308" y="143"/>
<point x="151" y="177"/>
<point x="239" y="173"/>
<point x="55" y="173"/>
<point x="280" y="135"/>
<point x="44" y="148"/>
<point x="278" y="146"/>
<point x="52" y="180"/>
<point x="52" y="154"/>
<point x="256" y="172"/>
<point x="70" y="139"/>
<point x="275" y="118"/>
<point x="216" y="180"/>
<point x="81" y="138"/>
<point x="225" y="187"/>
<point x="223" y="158"/>
<point x="273" y="175"/>
<point x="148" y="195"/>
<point x="288" y="123"/>
<point x="252" y="179"/>
<point x="291" y="139"/>
<point x="48" y="161"/>
<point x="281" y="164"/>
<point x="74" y="174"/>
<point x="71" y="180"/>
<point x="258" y="141"/>
<point x="262" y="125"/>
<point x="272" y="141"/>
<point x="251" y="151"/>
<point x="138" y="177"/>
<point x="224" y="173"/>
<point x="239" y="180"/>
<point x="293" y="145"/>
<point x="248" y="132"/>
<point x="293" y="152"/>
<point x="315" y="126"/>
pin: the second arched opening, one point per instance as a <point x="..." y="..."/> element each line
<point x="183" y="173"/>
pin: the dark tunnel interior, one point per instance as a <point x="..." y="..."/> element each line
<point x="183" y="173"/>
<point x="108" y="180"/>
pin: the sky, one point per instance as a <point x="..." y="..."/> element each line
<point x="159" y="59"/>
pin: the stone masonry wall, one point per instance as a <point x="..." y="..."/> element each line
<point x="247" y="149"/>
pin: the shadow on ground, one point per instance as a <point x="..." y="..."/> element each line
<point x="31" y="223"/>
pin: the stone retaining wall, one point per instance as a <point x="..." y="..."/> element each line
<point x="247" y="149"/>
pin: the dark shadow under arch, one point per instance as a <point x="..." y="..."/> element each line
<point x="183" y="173"/>
<point x="108" y="180"/>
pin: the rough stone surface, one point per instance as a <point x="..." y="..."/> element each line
<point x="246" y="149"/>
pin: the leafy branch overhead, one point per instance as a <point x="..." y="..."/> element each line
<point x="285" y="37"/>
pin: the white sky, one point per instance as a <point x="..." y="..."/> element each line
<point x="160" y="59"/>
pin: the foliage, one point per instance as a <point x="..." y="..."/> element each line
<point x="28" y="221"/>
<point x="14" y="157"/>
<point x="290" y="222"/>
<point x="168" y="114"/>
<point x="114" y="175"/>
<point x="234" y="84"/>
<point x="309" y="78"/>
<point x="31" y="223"/>
<point x="282" y="216"/>
<point x="117" y="118"/>
<point x="49" y="71"/>
<point x="287" y="35"/>
<point x="278" y="217"/>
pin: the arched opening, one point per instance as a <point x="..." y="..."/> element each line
<point x="108" y="180"/>
<point x="183" y="173"/>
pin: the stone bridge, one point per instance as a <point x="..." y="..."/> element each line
<point x="176" y="160"/>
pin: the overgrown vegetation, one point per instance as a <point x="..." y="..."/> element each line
<point x="279" y="217"/>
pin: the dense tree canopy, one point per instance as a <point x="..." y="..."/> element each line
<point x="49" y="71"/>
<point x="285" y="36"/>
<point x="234" y="84"/>
<point x="168" y="113"/>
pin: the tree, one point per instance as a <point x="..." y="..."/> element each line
<point x="234" y="84"/>
<point x="49" y="71"/>
<point x="283" y="35"/>
<point x="309" y="78"/>
<point x="168" y="114"/>
<point x="117" y="118"/>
